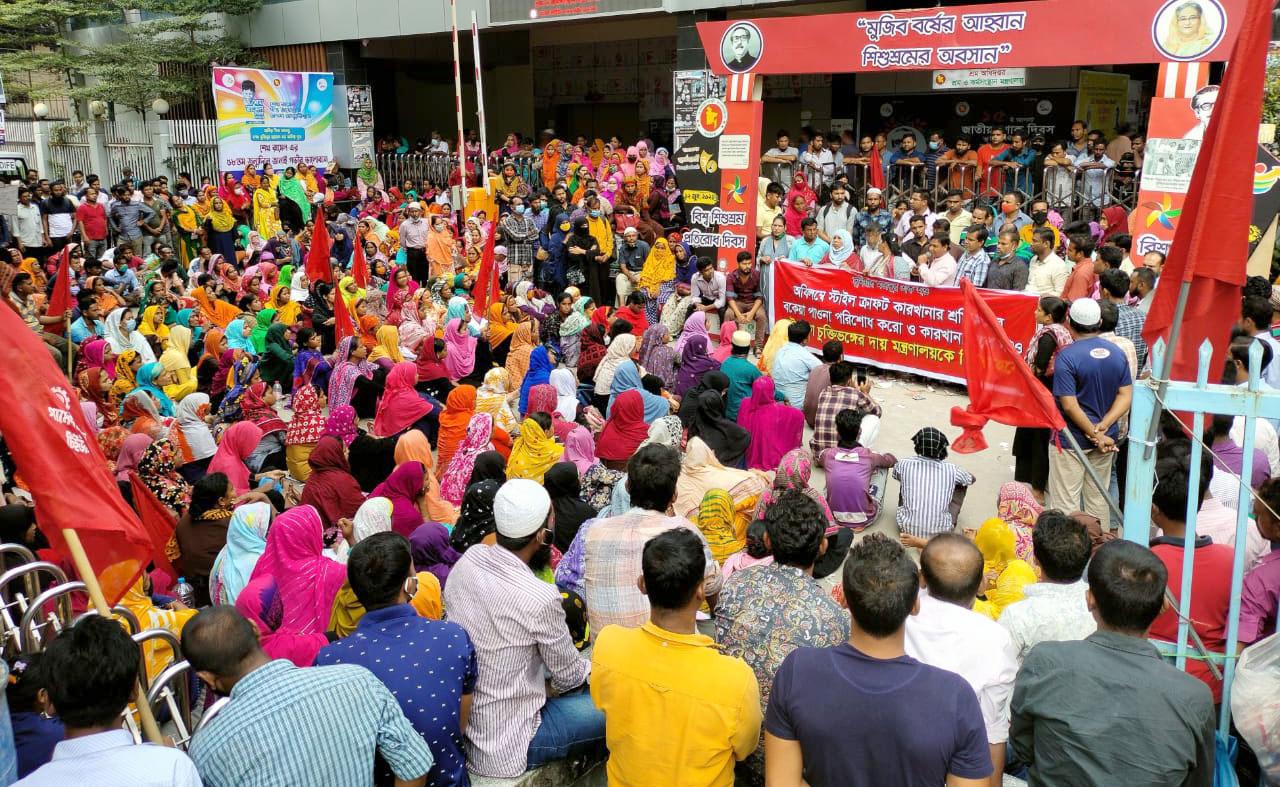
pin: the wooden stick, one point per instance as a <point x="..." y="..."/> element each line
<point x="149" y="726"/>
<point x="71" y="347"/>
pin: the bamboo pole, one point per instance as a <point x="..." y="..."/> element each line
<point x="90" y="579"/>
<point x="71" y="347"/>
<point x="484" y="145"/>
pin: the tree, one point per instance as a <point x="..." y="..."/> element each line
<point x="37" y="60"/>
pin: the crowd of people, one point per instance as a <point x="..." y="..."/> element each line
<point x="591" y="517"/>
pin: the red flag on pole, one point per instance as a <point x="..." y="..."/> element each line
<point x="318" y="266"/>
<point x="61" y="464"/>
<point x="1210" y="246"/>
<point x="488" y="288"/>
<point x="60" y="300"/>
<point x="359" y="265"/>
<point x="156" y="521"/>
<point x="343" y="325"/>
<point x="1002" y="387"/>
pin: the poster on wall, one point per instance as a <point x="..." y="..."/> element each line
<point x="360" y="107"/>
<point x="1102" y="101"/>
<point x="1174" y="133"/>
<point x="281" y="117"/>
<point x="891" y="324"/>
<point x="688" y="91"/>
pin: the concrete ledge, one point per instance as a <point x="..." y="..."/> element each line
<point x="561" y="773"/>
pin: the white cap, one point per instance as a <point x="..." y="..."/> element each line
<point x="520" y="508"/>
<point x="741" y="339"/>
<point x="874" y="190"/>
<point x="1086" y="312"/>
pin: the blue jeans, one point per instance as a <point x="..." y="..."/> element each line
<point x="571" y="726"/>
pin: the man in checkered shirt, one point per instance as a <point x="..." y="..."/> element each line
<point x="519" y="234"/>
<point x="844" y="394"/>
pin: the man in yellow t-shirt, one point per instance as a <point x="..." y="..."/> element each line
<point x="768" y="207"/>
<point x="676" y="710"/>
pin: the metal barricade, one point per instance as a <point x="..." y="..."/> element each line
<point x="954" y="174"/>
<point x="16" y="600"/>
<point x="434" y="168"/>
<point x="859" y="178"/>
<point x="1059" y="191"/>
<point x="904" y="179"/>
<point x="33" y="634"/>
<point x="1091" y="193"/>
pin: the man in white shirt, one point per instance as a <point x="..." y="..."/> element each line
<point x="839" y="214"/>
<point x="1054" y="609"/>
<point x="1256" y="315"/>
<point x="92" y="669"/>
<point x="921" y="205"/>
<point x="1047" y="272"/>
<point x="1095" y="168"/>
<point x="28" y="227"/>
<point x="948" y="634"/>
<point x="938" y="267"/>
<point x="819" y="164"/>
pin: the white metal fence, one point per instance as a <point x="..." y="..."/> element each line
<point x="129" y="147"/>
<point x="193" y="147"/>
<point x="69" y="150"/>
<point x="20" y="139"/>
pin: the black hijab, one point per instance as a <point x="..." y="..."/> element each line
<point x="475" y="518"/>
<point x="562" y="483"/>
<point x="489" y="466"/>
<point x="725" y="438"/>
<point x="714" y="380"/>
<point x="371" y="459"/>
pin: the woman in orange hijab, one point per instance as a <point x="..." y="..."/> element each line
<point x="550" y="162"/>
<point x="214" y="310"/>
<point x="458" y="409"/>
<point x="522" y="344"/>
<point x="413" y="446"/>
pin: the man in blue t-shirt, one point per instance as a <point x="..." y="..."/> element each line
<point x="1092" y="385"/>
<point x="865" y="714"/>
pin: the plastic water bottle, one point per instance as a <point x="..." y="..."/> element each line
<point x="186" y="594"/>
<point x="279" y="392"/>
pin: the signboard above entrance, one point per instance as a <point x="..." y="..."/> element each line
<point x="1040" y="33"/>
<point x="505" y="12"/>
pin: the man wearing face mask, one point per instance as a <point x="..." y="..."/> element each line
<point x="1040" y="218"/>
<point x="518" y="233"/>
<point x="413" y="237"/>
<point x="517" y="625"/>
<point x="937" y="149"/>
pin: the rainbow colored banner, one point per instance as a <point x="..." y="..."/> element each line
<point x="280" y="117"/>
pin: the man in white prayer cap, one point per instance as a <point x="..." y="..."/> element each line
<point x="517" y="625"/>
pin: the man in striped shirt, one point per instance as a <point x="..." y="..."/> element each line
<point x="929" y="484"/>
<point x="522" y="642"/>
<point x="285" y="725"/>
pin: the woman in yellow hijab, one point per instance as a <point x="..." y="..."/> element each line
<point x="266" y="212"/>
<point x="156" y="653"/>
<point x="601" y="228"/>
<point x="659" y="268"/>
<point x="153" y="323"/>
<point x="1004" y="574"/>
<point x="350" y="293"/>
<point x="388" y="337"/>
<point x="716" y="518"/>
<point x="777" y="340"/>
<point x="177" y="363"/>
<point x="288" y="311"/>
<point x="534" y="452"/>
<point x="127" y="364"/>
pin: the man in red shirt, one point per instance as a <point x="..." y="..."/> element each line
<point x="1084" y="271"/>
<point x="993" y="184"/>
<point x="91" y="224"/>
<point x="1211" y="565"/>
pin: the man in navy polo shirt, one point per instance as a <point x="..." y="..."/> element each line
<point x="429" y="665"/>
<point x="1094" y="389"/>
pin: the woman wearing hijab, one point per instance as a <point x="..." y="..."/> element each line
<point x="304" y="430"/>
<point x="725" y="348"/>
<point x="1115" y="221"/>
<point x="432" y="551"/>
<point x="476" y="523"/>
<point x="564" y="486"/>
<point x="501" y="329"/>
<point x="458" y="468"/>
<point x="566" y="388"/>
<point x="539" y="373"/>
<point x="458" y="411"/>
<point x="157" y="654"/>
<point x="257" y="406"/>
<point x="774" y="428"/>
<point x="696" y="325"/>
<point x="414" y="447"/>
<point x="489" y="466"/>
<point x="535" y="450"/>
<point x="95" y="382"/>
<point x="238" y="335"/>
<point x="623" y="432"/>
<point x="694" y="364"/>
<point x="158" y="471"/>
<point x="196" y="437"/>
<point x="176" y="364"/>
<point x="246" y="541"/>
<point x="777" y="340"/>
<point x="1017" y="506"/>
<point x="842" y="251"/>
<point x="288" y="311"/>
<point x="123" y="336"/>
<point x="519" y="353"/>
<point x="657" y="357"/>
<point x="330" y="487"/>
<point x="401" y="406"/>
<point x="714" y="380"/>
<point x="494" y="398"/>
<point x="460" y="356"/>
<point x="433" y="375"/>
<point x="290" y="593"/>
<point x="701" y="472"/>
<point x="716" y="519"/>
<point x="220" y="229"/>
<point x="728" y="440"/>
<point x="627" y="378"/>
<point x="238" y="444"/>
<point x="349" y="366"/>
<point x="619" y="351"/>
<point x="406" y="488"/>
<point x="1005" y="575"/>
<point x="581" y="250"/>
<point x="150" y="377"/>
<point x="659" y="269"/>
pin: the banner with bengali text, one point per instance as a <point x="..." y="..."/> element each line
<point x="281" y="117"/>
<point x="892" y="324"/>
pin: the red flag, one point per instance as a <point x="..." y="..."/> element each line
<point x="360" y="266"/>
<point x="156" y="521"/>
<point x="1211" y="243"/>
<point x="488" y="288"/>
<point x="1002" y="387"/>
<point x="343" y="326"/>
<point x="61" y="463"/>
<point x="60" y="300"/>
<point x="318" y="266"/>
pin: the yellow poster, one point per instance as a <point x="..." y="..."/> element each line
<point x="1102" y="101"/>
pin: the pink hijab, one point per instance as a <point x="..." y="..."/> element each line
<point x="291" y="590"/>
<point x="403" y="488"/>
<point x="237" y="444"/>
<point x="580" y="449"/>
<point x="775" y="428"/>
<point x="460" y="350"/>
<point x="131" y="451"/>
<point x="478" y="439"/>
<point x="696" y="325"/>
<point x="400" y="405"/>
<point x="725" y="349"/>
